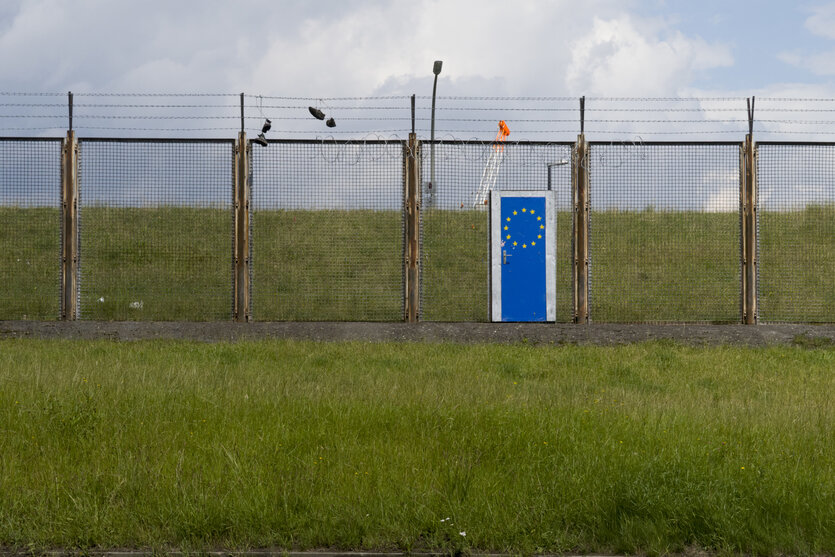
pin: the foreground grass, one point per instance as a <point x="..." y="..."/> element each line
<point x="298" y="445"/>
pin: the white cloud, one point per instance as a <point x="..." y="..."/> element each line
<point x="822" y="21"/>
<point x="618" y="58"/>
<point x="347" y="47"/>
<point x="819" y="64"/>
<point x="724" y="188"/>
<point x="822" y="24"/>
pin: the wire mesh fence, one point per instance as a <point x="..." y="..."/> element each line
<point x="155" y="229"/>
<point x="454" y="246"/>
<point x="30" y="228"/>
<point x="327" y="229"/>
<point x="327" y="222"/>
<point x="664" y="234"/>
<point x="796" y="251"/>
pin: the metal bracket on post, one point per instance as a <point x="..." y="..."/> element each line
<point x="580" y="197"/>
<point x="242" y="262"/>
<point x="411" y="263"/>
<point x="69" y="228"/>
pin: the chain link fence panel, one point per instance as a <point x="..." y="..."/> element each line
<point x="455" y="256"/>
<point x="30" y="228"/>
<point x="328" y="230"/>
<point x="664" y="237"/>
<point x="155" y="220"/>
<point x="796" y="232"/>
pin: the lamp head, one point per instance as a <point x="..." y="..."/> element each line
<point x="436" y="69"/>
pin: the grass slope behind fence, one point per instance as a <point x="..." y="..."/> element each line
<point x="347" y="265"/>
<point x="665" y="266"/>
<point x="797" y="265"/>
<point x="328" y="265"/>
<point x="645" y="448"/>
<point x="30" y="263"/>
<point x="166" y="263"/>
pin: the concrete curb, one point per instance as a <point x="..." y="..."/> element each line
<point x="248" y="553"/>
<point x="596" y="334"/>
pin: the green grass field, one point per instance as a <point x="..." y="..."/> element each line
<point x="176" y="264"/>
<point x="649" y="448"/>
<point x="30" y="263"/>
<point x="327" y="266"/>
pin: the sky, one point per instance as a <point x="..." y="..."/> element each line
<point x="373" y="47"/>
<point x="526" y="61"/>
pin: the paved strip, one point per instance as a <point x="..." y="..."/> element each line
<point x="598" y="334"/>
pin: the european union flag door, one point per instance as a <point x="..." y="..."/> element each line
<point x="523" y="256"/>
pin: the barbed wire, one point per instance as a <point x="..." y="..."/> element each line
<point x="391" y="97"/>
<point x="794" y="99"/>
<point x="469" y="116"/>
<point x="155" y="94"/>
<point x="19" y="94"/>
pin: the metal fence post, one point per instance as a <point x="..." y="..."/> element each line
<point x="580" y="241"/>
<point x="411" y="269"/>
<point x="748" y="204"/>
<point x="69" y="228"/>
<point x="241" y="256"/>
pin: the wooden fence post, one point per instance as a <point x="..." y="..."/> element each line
<point x="748" y="204"/>
<point x="411" y="270"/>
<point x="241" y="255"/>
<point x="69" y="228"/>
<point x="580" y="197"/>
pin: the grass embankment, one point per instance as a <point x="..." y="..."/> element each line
<point x="176" y="264"/>
<point x="665" y="266"/>
<point x="30" y="263"/>
<point x="644" y="448"/>
<point x="327" y="266"/>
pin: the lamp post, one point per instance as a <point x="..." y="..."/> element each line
<point x="552" y="164"/>
<point x="436" y="69"/>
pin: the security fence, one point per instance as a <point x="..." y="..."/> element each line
<point x="155" y="220"/>
<point x="664" y="232"/>
<point x="326" y="236"/>
<point x="454" y="247"/>
<point x="327" y="231"/>
<point x="30" y="228"/>
<point x="796" y="232"/>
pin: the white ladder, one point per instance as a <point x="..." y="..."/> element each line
<point x="491" y="170"/>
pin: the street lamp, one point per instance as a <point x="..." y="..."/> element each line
<point x="552" y="164"/>
<point x="436" y="69"/>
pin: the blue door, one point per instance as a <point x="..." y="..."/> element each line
<point x="523" y="256"/>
